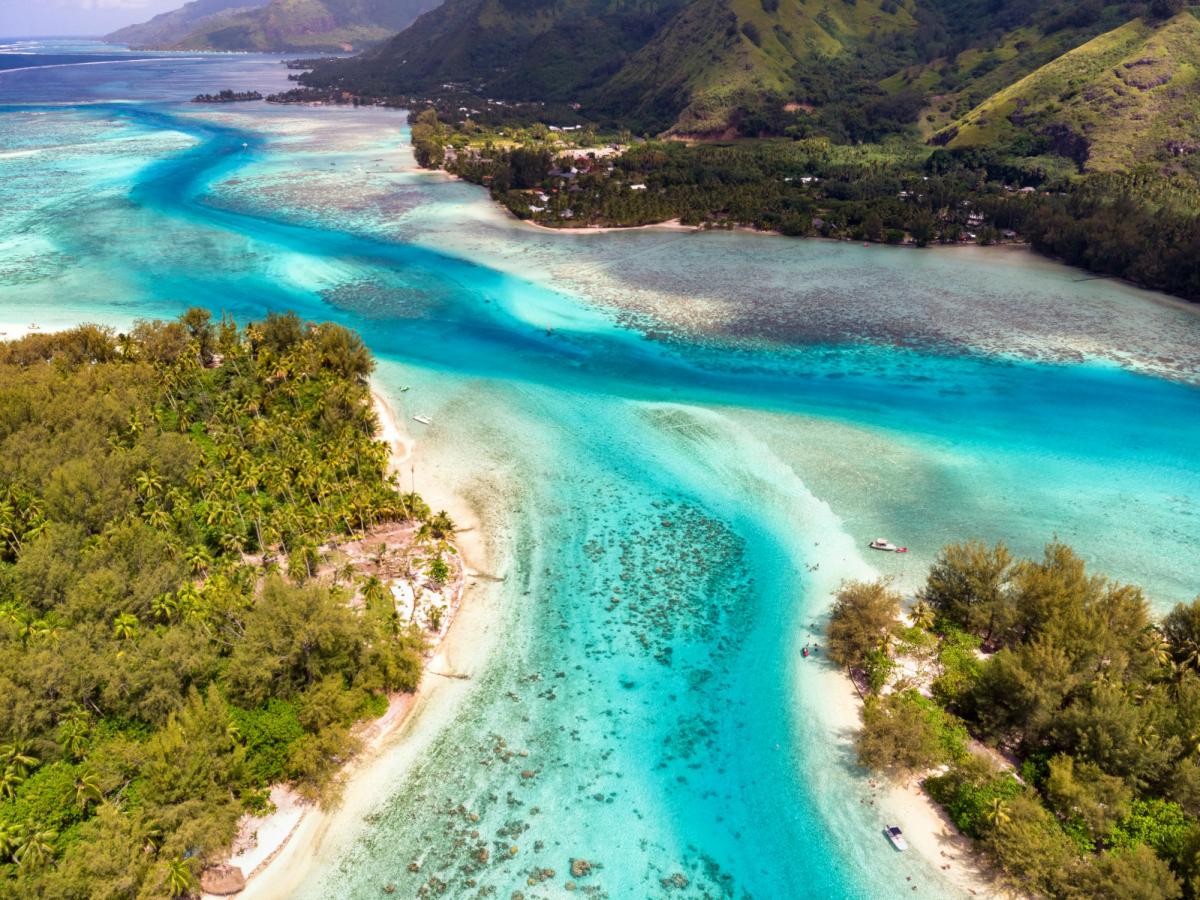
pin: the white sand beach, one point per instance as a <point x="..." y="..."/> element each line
<point x="926" y="827"/>
<point x="291" y="840"/>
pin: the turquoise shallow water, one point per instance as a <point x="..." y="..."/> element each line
<point x="677" y="446"/>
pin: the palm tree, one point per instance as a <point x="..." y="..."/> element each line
<point x="148" y="483"/>
<point x="8" y="525"/>
<point x="1156" y="645"/>
<point x="17" y="756"/>
<point x="231" y="543"/>
<point x="181" y="882"/>
<point x="9" y="782"/>
<point x="73" y="735"/>
<point x="424" y="533"/>
<point x="442" y="525"/>
<point x="87" y="790"/>
<point x="127" y="346"/>
<point x="126" y="626"/>
<point x="157" y="517"/>
<point x="998" y="813"/>
<point x="1191" y="655"/>
<point x="10" y="840"/>
<point x="343" y="572"/>
<point x="36" y="848"/>
<point x="163" y="607"/>
<point x="40" y="631"/>
<point x="922" y="615"/>
<point x="154" y="837"/>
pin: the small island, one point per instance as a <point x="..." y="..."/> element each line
<point x="244" y="604"/>
<point x="1044" y="708"/>
<point x="227" y="96"/>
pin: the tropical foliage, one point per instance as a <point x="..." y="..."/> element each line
<point x="1067" y="675"/>
<point x="170" y="643"/>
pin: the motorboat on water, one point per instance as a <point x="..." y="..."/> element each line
<point x="896" y="836"/>
<point x="424" y="420"/>
<point x="887" y="546"/>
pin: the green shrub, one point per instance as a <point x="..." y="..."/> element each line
<point x="46" y="798"/>
<point x="968" y="794"/>
<point x="907" y="731"/>
<point x="878" y="667"/>
<point x="268" y="733"/>
<point x="1159" y="824"/>
<point x="960" y="666"/>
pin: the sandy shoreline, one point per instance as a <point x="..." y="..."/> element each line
<point x="285" y="866"/>
<point x="926" y="826"/>
<point x="669" y="225"/>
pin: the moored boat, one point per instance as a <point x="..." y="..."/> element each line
<point x="886" y="545"/>
<point x="896" y="836"/>
<point x="424" y="420"/>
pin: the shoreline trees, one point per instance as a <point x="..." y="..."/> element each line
<point x="157" y="671"/>
<point x="1096" y="702"/>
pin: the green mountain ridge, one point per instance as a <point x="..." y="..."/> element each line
<point x="170" y="27"/>
<point x="516" y="49"/>
<point x="1127" y="97"/>
<point x="715" y="52"/>
<point x="852" y="70"/>
<point x="290" y="25"/>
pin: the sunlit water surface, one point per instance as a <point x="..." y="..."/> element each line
<point x="677" y="444"/>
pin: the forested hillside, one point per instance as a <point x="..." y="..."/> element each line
<point x="853" y="69"/>
<point x="277" y="25"/>
<point x="1073" y="126"/>
<point x="166" y="649"/>
<point x="517" y="49"/>
<point x="170" y="27"/>
<point x="1129" y="96"/>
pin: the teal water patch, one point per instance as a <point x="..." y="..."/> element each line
<point x="671" y="490"/>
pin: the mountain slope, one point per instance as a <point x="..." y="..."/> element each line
<point x="298" y="25"/>
<point x="170" y="27"/>
<point x="517" y="49"/>
<point x="851" y="70"/>
<point x="717" y="51"/>
<point x="1129" y="96"/>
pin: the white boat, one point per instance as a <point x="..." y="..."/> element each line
<point x="886" y="545"/>
<point x="424" y="420"/>
<point x="896" y="836"/>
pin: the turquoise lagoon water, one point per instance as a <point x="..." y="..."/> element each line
<point x="677" y="445"/>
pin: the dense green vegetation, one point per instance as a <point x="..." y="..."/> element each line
<point x="1142" y="227"/>
<point x="227" y="95"/>
<point x="850" y="70"/>
<point x="824" y="121"/>
<point x="808" y="187"/>
<point x="172" y="637"/>
<point x="1125" y="99"/>
<point x="1066" y="675"/>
